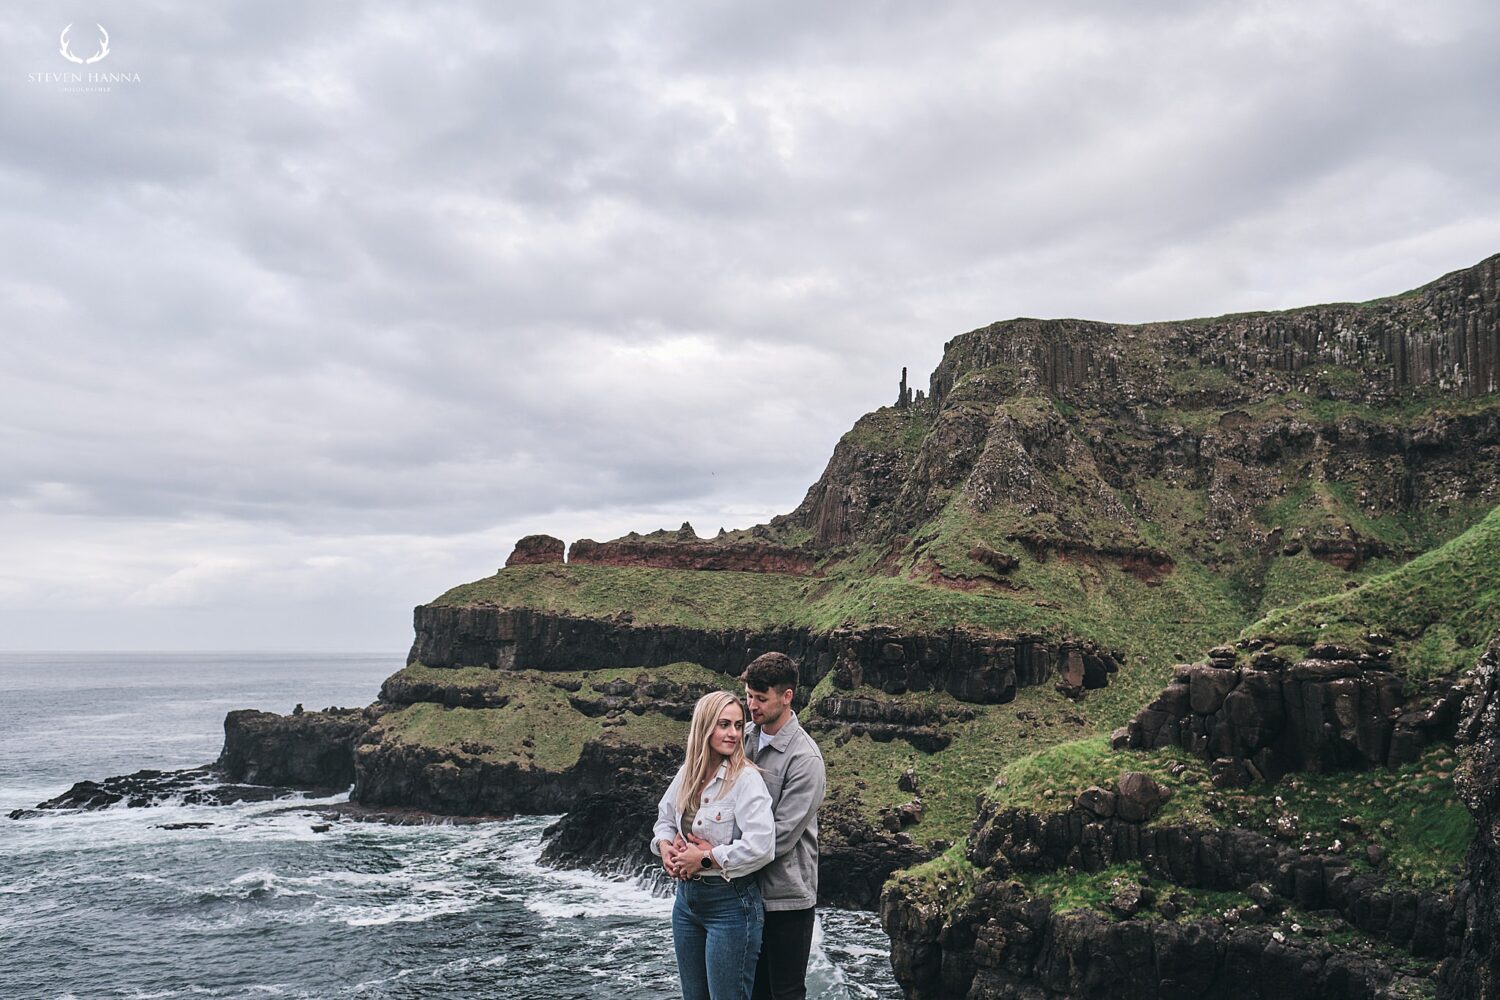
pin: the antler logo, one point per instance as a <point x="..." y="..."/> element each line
<point x="66" y="49"/>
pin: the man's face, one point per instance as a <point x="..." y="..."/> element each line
<point x="767" y="707"/>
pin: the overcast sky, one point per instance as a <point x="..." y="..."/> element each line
<point x="336" y="301"/>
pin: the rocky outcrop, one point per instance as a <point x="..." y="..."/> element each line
<point x="456" y="781"/>
<point x="144" y="789"/>
<point x="1474" y="973"/>
<point x="971" y="665"/>
<point x="1001" y="940"/>
<point x="740" y="557"/>
<point x="403" y="689"/>
<point x="924" y="727"/>
<point x="1141" y="560"/>
<point x="304" y="749"/>
<point x="642" y="694"/>
<point x="1427" y="924"/>
<point x="856" y="857"/>
<point x="536" y="550"/>
<point x="528" y="639"/>
<point x="608" y="827"/>
<point x="1005" y="944"/>
<point x="1337" y="708"/>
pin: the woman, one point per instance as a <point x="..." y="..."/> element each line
<point x="713" y="832"/>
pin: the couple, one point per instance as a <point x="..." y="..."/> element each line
<point x="738" y="827"/>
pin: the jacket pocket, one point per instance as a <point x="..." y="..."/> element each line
<point x="715" y="822"/>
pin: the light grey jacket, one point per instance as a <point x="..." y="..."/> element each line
<point x="792" y="766"/>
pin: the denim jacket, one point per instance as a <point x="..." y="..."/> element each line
<point x="739" y="824"/>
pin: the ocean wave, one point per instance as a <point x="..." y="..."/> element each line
<point x="404" y="912"/>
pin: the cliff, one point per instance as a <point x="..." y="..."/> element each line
<point x="1304" y="786"/>
<point x="1249" y="559"/>
<point x="1019" y="556"/>
<point x="1015" y="559"/>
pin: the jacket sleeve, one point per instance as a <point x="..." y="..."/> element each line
<point x="666" y="816"/>
<point x="801" y="794"/>
<point x="755" y="846"/>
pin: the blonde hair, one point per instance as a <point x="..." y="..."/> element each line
<point x="702" y="761"/>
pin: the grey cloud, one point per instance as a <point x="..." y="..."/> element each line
<point x="355" y="271"/>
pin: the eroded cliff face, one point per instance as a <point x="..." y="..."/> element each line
<point x="1475" y="972"/>
<point x="1444" y="334"/>
<point x="968" y="664"/>
<point x="1181" y="910"/>
<point x="1061" y="426"/>
<point x="305" y="749"/>
<point x="1336" y="708"/>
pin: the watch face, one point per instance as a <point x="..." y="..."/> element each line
<point x="706" y="863"/>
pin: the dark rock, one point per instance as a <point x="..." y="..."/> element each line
<point x="205" y="785"/>
<point x="311" y="750"/>
<point x="1229" y="772"/>
<point x="1208" y="687"/>
<point x="1000" y="562"/>
<point x="1099" y="801"/>
<point x="1474" y="972"/>
<point x="1129" y="901"/>
<point x="1263" y="896"/>
<point x="1139" y="797"/>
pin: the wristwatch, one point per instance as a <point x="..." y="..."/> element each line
<point x="707" y="862"/>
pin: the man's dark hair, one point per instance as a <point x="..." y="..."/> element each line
<point x="771" y="672"/>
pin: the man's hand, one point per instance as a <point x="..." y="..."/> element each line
<point x="691" y="853"/>
<point x="669" y="851"/>
<point x="690" y="861"/>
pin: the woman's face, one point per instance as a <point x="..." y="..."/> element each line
<point x="728" y="731"/>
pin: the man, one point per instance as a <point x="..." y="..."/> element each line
<point x="792" y="765"/>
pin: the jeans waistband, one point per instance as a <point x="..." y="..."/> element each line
<point x="714" y="878"/>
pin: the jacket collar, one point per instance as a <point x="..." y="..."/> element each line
<point x="783" y="735"/>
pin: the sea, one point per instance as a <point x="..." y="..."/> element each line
<point x="256" y="903"/>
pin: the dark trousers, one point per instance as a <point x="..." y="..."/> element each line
<point x="781" y="973"/>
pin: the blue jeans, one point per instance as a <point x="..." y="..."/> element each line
<point x="716" y="928"/>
